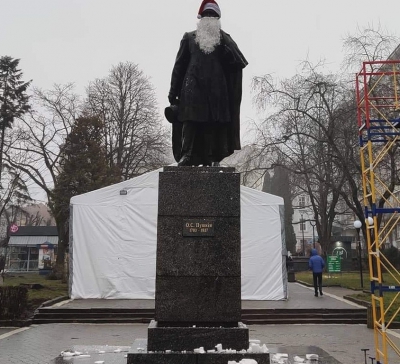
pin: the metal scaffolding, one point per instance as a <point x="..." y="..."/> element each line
<point x="377" y="92"/>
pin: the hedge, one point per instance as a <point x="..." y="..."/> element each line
<point x="13" y="302"/>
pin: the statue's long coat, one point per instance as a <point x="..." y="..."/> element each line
<point x="209" y="87"/>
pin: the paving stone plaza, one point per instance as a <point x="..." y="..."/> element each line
<point x="40" y="344"/>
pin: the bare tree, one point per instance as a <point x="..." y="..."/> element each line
<point x="134" y="136"/>
<point x="368" y="44"/>
<point x="300" y="133"/>
<point x="36" y="141"/>
<point x="313" y="131"/>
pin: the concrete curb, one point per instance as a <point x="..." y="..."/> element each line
<point x="323" y="285"/>
<point x="53" y="301"/>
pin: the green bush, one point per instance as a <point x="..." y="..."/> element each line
<point x="393" y="255"/>
<point x="13" y="302"/>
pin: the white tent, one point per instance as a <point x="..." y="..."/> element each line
<point x="113" y="238"/>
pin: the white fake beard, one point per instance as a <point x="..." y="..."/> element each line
<point x="208" y="34"/>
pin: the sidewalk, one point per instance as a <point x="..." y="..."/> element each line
<point x="300" y="297"/>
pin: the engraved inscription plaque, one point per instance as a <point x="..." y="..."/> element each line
<point x="198" y="227"/>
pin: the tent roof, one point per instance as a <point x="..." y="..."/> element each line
<point x="107" y="195"/>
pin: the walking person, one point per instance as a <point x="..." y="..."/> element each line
<point x="316" y="265"/>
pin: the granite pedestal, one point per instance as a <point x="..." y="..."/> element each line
<point x="198" y="270"/>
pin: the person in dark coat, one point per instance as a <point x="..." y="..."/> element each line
<point x="206" y="86"/>
<point x="316" y="265"/>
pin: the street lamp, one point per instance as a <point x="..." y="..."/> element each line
<point x="357" y="225"/>
<point x="313" y="223"/>
<point x="302" y="230"/>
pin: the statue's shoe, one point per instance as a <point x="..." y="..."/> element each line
<point x="185" y="161"/>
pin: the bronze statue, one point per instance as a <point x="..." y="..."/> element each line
<point x="206" y="92"/>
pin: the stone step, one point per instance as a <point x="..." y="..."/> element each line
<point x="305" y="320"/>
<point x="249" y="316"/>
<point x="265" y="311"/>
<point x="316" y="315"/>
<point x="260" y="321"/>
<point x="302" y="310"/>
<point x="96" y="310"/>
<point x="119" y="320"/>
<point x="89" y="314"/>
<point x="53" y="313"/>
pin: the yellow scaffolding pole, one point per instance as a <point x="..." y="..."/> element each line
<point x="377" y="99"/>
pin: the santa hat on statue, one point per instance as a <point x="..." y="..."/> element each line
<point x="209" y="5"/>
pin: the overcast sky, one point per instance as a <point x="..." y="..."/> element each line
<point x="61" y="41"/>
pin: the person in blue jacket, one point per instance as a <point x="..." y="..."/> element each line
<point x="316" y="265"/>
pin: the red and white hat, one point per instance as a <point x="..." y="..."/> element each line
<point x="209" y="5"/>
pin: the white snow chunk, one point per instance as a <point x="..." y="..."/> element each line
<point x="102" y="352"/>
<point x="297" y="359"/>
<point x="312" y="357"/>
<point x="255" y="341"/>
<point x="281" y="355"/>
<point x="99" y="362"/>
<point x="279" y="358"/>
<point x="199" y="350"/>
<point x="119" y="350"/>
<point x="219" y="347"/>
<point x="70" y="353"/>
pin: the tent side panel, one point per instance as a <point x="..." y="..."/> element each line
<point x="261" y="253"/>
<point x="114" y="251"/>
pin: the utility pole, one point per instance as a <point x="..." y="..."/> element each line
<point x="357" y="225"/>
<point x="302" y="231"/>
<point x="313" y="223"/>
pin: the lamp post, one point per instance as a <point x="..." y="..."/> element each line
<point x="302" y="231"/>
<point x="313" y="223"/>
<point x="357" y="225"/>
<point x="374" y="246"/>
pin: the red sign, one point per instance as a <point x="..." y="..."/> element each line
<point x="14" y="228"/>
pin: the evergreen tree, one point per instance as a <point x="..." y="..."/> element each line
<point x="13" y="97"/>
<point x="84" y="168"/>
<point x="280" y="186"/>
<point x="266" y="187"/>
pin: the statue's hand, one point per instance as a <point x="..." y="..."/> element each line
<point x="172" y="100"/>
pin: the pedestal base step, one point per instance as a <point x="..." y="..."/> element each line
<point x="189" y="338"/>
<point x="140" y="355"/>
